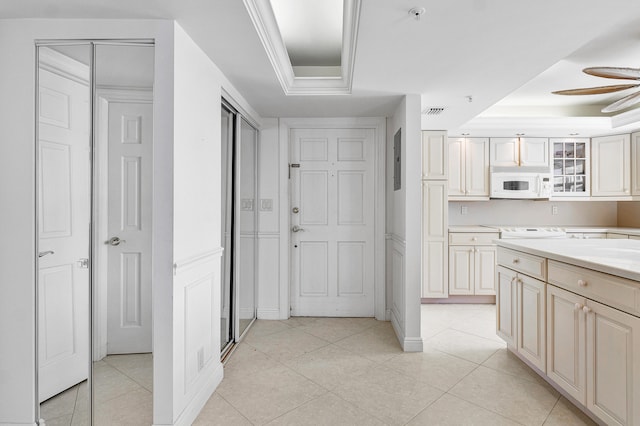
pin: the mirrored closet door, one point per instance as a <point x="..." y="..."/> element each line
<point x="239" y="222"/>
<point x="94" y="165"/>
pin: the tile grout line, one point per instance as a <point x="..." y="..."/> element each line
<point x="231" y="405"/>
<point x="551" y="411"/>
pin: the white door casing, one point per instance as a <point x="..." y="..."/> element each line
<point x="332" y="257"/>
<point x="130" y="138"/>
<point x="64" y="200"/>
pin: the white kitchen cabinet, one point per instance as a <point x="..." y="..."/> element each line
<point x="434" y="155"/>
<point x="521" y="315"/>
<point x="571" y="167"/>
<point x="472" y="270"/>
<point x="610" y="171"/>
<point x="468" y="168"/>
<point x="566" y="342"/>
<point x="612" y="360"/>
<point x="434" y="239"/>
<point x="635" y="163"/>
<point x="506" y="305"/>
<point x="634" y="237"/>
<point x="513" y="152"/>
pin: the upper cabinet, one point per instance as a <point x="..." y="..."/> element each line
<point x="571" y="167"/>
<point x="610" y="174"/>
<point x="434" y="155"/>
<point x="635" y="163"/>
<point x="514" y="152"/>
<point x="468" y="168"/>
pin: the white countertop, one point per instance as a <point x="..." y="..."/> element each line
<point x="615" y="257"/>
<point x="472" y="228"/>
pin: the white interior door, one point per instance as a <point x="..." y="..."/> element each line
<point x="64" y="164"/>
<point x="332" y="218"/>
<point x="129" y="224"/>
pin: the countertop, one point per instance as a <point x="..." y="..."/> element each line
<point x="595" y="229"/>
<point x="472" y="228"/>
<point x="615" y="257"/>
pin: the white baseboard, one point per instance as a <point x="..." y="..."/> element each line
<point x="269" y="314"/>
<point x="20" y="424"/>
<point x="193" y="408"/>
<point x="408" y="344"/>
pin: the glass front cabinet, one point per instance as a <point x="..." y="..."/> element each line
<point x="571" y="167"/>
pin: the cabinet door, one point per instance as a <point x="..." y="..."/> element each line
<point x="504" y="152"/>
<point x="434" y="155"/>
<point x="534" y="152"/>
<point x="613" y="360"/>
<point x="611" y="236"/>
<point x="532" y="320"/>
<point x="434" y="239"/>
<point x="610" y="174"/>
<point x="635" y="163"/>
<point x="506" y="305"/>
<point x="485" y="270"/>
<point x="477" y="167"/>
<point x="456" y="167"/>
<point x="461" y="269"/>
<point x="566" y="342"/>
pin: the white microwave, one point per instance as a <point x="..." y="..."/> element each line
<point x="524" y="183"/>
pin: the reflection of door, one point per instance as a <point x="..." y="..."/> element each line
<point x="332" y="218"/>
<point x="63" y="240"/>
<point x="129" y="223"/>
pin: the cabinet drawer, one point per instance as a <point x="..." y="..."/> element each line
<point x="472" y="238"/>
<point x="613" y="291"/>
<point x="533" y="266"/>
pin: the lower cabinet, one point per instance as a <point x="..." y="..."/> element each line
<point x="594" y="355"/>
<point x="521" y="314"/>
<point x="472" y="270"/>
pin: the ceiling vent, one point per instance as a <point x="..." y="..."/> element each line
<point x="433" y="111"/>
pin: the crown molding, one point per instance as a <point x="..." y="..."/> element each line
<point x="265" y="23"/>
<point x="62" y="65"/>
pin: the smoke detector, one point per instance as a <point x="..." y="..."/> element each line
<point x="417" y="12"/>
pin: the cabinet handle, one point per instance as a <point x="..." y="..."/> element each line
<point x="577" y="307"/>
<point x="586" y="309"/>
<point x="582" y="283"/>
<point x="516" y="260"/>
<point x="474" y="238"/>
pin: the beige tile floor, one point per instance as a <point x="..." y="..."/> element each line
<point x="347" y="371"/>
<point x="329" y="371"/>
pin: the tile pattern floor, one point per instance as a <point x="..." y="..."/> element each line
<point x="347" y="371"/>
<point x="351" y="371"/>
<point x="122" y="391"/>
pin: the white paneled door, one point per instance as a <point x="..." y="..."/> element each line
<point x="332" y="219"/>
<point x="129" y="225"/>
<point x="63" y="233"/>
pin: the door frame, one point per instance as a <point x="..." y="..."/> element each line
<point x="378" y="124"/>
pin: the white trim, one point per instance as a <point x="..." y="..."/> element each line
<point x="265" y="24"/>
<point x="125" y="94"/>
<point x="63" y="65"/>
<point x="195" y="405"/>
<point x="269" y="314"/>
<point x="191" y="261"/>
<point x="378" y="124"/>
<point x="408" y="344"/>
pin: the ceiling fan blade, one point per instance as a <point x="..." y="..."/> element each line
<point x="623" y="103"/>
<point x="614" y="72"/>
<point x="596" y="90"/>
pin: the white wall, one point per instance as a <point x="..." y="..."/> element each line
<point x="528" y="212"/>
<point x="17" y="216"/>
<point x="403" y="252"/>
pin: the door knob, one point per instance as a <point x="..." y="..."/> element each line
<point x="115" y="241"/>
<point x="296" y="228"/>
<point x="44" y="253"/>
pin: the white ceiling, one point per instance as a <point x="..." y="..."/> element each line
<point x="506" y="53"/>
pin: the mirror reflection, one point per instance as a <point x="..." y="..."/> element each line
<point x="98" y="198"/>
<point x="64" y="214"/>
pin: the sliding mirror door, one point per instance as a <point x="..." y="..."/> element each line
<point x="122" y="355"/>
<point x="63" y="228"/>
<point x="239" y="226"/>
<point x="93" y="185"/>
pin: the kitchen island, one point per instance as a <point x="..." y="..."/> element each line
<point x="571" y="310"/>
